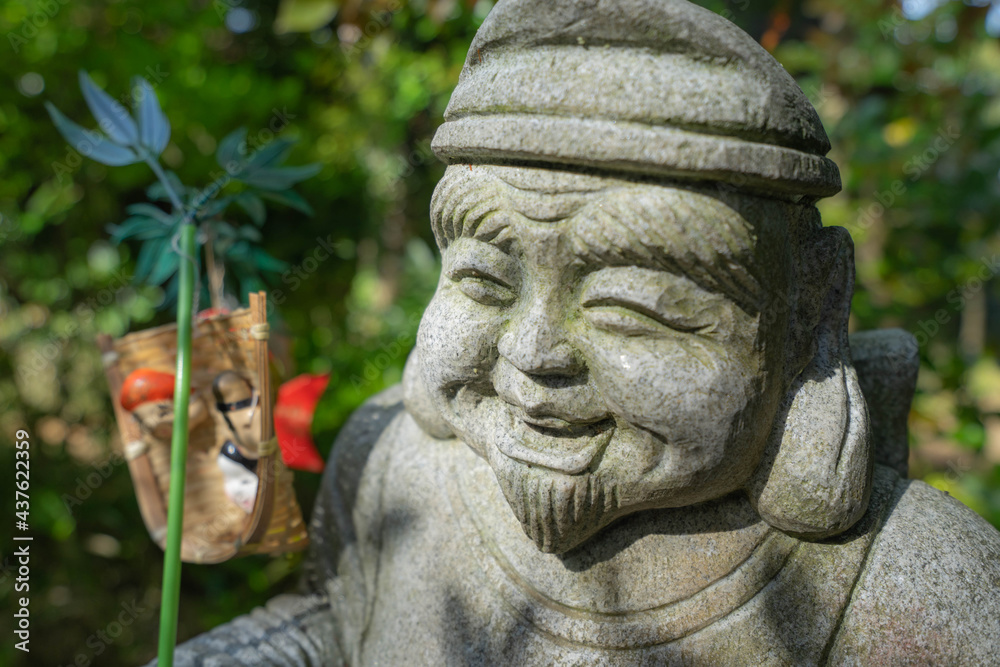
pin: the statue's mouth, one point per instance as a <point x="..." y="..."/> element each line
<point x="569" y="443"/>
<point x="566" y="446"/>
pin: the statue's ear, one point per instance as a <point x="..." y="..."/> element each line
<point x="418" y="401"/>
<point x="815" y="478"/>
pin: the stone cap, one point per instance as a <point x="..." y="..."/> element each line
<point x="656" y="87"/>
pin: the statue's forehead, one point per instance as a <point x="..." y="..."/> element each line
<point x="549" y="195"/>
<point x="550" y="181"/>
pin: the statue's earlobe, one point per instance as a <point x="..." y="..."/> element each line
<point x="418" y="401"/>
<point x="815" y="478"/>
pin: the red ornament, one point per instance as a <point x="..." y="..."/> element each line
<point x="293" y="415"/>
<point x="145" y="384"/>
<point x="212" y="312"/>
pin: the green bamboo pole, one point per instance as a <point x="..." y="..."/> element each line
<point x="170" y="596"/>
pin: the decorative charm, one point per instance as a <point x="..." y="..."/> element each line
<point x="293" y="415"/>
<point x="149" y="395"/>
<point x="238" y="495"/>
<point x="236" y="404"/>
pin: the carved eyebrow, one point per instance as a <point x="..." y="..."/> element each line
<point x="461" y="205"/>
<point x="620" y="233"/>
<point x="489" y="228"/>
<point x="642" y="283"/>
<point x="482" y="257"/>
<point x="661" y="294"/>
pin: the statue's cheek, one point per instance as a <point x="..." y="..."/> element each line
<point x="667" y="387"/>
<point x="458" y="339"/>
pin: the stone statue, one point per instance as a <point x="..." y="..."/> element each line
<point x="631" y="431"/>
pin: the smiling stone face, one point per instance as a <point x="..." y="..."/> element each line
<point x="602" y="343"/>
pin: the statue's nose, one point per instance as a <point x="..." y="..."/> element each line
<point x="537" y="344"/>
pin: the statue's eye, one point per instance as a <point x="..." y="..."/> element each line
<point x="636" y="301"/>
<point x="482" y="287"/>
<point x="483" y="272"/>
<point x="634" y="319"/>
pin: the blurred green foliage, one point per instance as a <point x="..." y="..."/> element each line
<point x="910" y="100"/>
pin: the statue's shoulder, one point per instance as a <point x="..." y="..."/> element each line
<point x="364" y="429"/>
<point x="930" y="589"/>
<point x="351" y="485"/>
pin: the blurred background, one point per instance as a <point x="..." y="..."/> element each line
<point x="908" y="94"/>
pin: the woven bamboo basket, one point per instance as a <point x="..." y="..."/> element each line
<point x="215" y="527"/>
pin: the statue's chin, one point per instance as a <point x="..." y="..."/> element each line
<point x="558" y="507"/>
<point x="557" y="512"/>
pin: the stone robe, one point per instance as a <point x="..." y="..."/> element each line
<point x="414" y="562"/>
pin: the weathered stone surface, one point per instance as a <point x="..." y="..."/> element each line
<point x="632" y="431"/>
<point x="887" y="363"/>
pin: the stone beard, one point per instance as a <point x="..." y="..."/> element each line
<point x="553" y="509"/>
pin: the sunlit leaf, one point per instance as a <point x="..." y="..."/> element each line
<point x="139" y="228"/>
<point x="228" y="153"/>
<point x="148" y="255"/>
<point x="111" y="116"/>
<point x="269" y="155"/>
<point x="224" y="230"/>
<point x="239" y="251"/>
<point x="170" y="293"/>
<point x="157" y="192"/>
<point x="250" y="234"/>
<point x="91" y="144"/>
<point x="291" y="199"/>
<point x="214" y="207"/>
<point x="250" y="284"/>
<point x="265" y="262"/>
<point x="166" y="266"/>
<point x="253" y="205"/>
<point x="280" y="178"/>
<point x="304" y="15"/>
<point x="154" y="128"/>
<point x="150" y="211"/>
